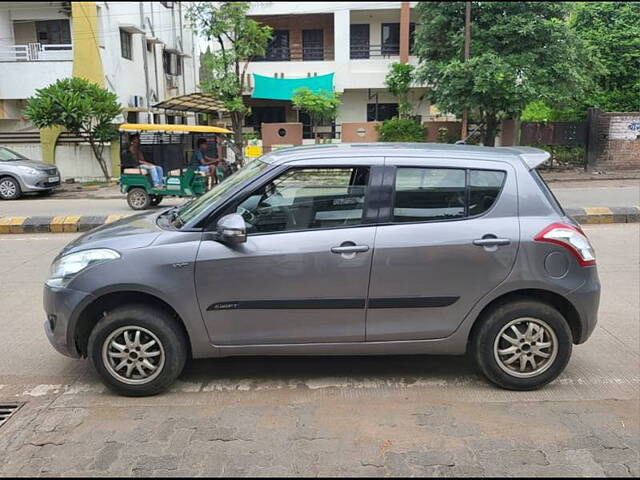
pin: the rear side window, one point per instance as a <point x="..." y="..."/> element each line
<point x="547" y="192"/>
<point x="424" y="194"/>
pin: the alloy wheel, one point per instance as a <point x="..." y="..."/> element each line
<point x="133" y="355"/>
<point x="525" y="347"/>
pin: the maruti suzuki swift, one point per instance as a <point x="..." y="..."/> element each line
<point x="361" y="249"/>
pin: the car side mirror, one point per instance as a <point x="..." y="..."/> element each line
<point x="232" y="229"/>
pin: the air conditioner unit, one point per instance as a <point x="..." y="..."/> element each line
<point x="172" y="81"/>
<point x="136" y="101"/>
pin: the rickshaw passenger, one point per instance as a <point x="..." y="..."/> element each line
<point x="156" y="172"/>
<point x="201" y="161"/>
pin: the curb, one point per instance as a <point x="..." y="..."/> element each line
<point x="58" y="224"/>
<point x="84" y="223"/>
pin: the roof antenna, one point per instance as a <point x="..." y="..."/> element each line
<point x="464" y="141"/>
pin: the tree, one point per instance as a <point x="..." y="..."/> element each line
<point x="612" y="33"/>
<point x="321" y="106"/>
<point x="398" y="82"/>
<point x="520" y="52"/>
<point x="237" y="40"/>
<point x="82" y="108"/>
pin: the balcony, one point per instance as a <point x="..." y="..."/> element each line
<point x="36" y="52"/>
<point x="296" y="54"/>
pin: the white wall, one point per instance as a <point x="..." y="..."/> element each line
<point x="21" y="79"/>
<point x="354" y="104"/>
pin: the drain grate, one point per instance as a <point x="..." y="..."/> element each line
<point x="7" y="410"/>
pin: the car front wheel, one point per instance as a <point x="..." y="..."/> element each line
<point x="9" y="188"/>
<point x="138" y="350"/>
<point x="523" y="345"/>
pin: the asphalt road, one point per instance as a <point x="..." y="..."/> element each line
<point x="594" y="193"/>
<point x="381" y="416"/>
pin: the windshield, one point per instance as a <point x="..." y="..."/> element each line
<point x="192" y="209"/>
<point x="7" y="155"/>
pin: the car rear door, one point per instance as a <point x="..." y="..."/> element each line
<point x="303" y="274"/>
<point x="449" y="237"/>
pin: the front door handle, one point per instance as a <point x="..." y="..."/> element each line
<point x="350" y="249"/>
<point x="491" y="241"/>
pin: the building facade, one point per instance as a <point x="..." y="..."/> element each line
<point x="144" y="52"/>
<point x="356" y="42"/>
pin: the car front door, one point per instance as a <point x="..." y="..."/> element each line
<point x="449" y="237"/>
<point x="303" y="273"/>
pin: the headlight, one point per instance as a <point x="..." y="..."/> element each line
<point x="30" y="171"/>
<point x="67" y="267"/>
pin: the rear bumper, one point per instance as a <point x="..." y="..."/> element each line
<point x="586" y="300"/>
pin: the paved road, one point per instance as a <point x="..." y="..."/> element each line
<point x="380" y="416"/>
<point x="595" y="193"/>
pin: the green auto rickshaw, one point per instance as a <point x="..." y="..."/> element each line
<point x="169" y="147"/>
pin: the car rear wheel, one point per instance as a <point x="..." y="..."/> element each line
<point x="9" y="188"/>
<point x="138" y="350"/>
<point x="522" y="345"/>
<point x="138" y="199"/>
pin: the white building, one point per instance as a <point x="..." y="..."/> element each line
<point x="143" y="51"/>
<point x="355" y="41"/>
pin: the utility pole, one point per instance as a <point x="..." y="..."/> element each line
<point x="467" y="49"/>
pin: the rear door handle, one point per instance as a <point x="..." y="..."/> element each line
<point x="491" y="241"/>
<point x="350" y="249"/>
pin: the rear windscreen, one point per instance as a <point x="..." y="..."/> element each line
<point x="547" y="192"/>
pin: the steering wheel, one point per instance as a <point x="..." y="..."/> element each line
<point x="248" y="215"/>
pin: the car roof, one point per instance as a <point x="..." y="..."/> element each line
<point x="532" y="157"/>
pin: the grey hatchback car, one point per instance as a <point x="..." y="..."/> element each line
<point x="362" y="249"/>
<point x="20" y="175"/>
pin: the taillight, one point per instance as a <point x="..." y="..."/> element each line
<point x="571" y="238"/>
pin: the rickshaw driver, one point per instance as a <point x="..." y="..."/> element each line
<point x="156" y="172"/>
<point x="201" y="161"/>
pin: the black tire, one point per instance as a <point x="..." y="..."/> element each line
<point x="484" y="338"/>
<point x="138" y="198"/>
<point x="9" y="188"/>
<point x="155" y="200"/>
<point x="169" y="335"/>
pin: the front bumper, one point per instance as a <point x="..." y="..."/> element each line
<point x="62" y="307"/>
<point x="40" y="181"/>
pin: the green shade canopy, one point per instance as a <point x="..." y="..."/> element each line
<point x="283" y="88"/>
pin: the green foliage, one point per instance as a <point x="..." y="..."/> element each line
<point x="612" y="33"/>
<point x="238" y="39"/>
<point x="321" y="106"/>
<point x="82" y="108"/>
<point x="563" y="156"/>
<point x="401" y="130"/>
<point x="398" y="82"/>
<point x="520" y="52"/>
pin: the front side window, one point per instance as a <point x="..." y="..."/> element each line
<point x="426" y="194"/>
<point x="306" y="199"/>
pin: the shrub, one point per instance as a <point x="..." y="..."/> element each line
<point x="402" y="130"/>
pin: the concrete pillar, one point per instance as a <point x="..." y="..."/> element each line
<point x="6" y="28"/>
<point x="405" y="15"/>
<point x="341" y="45"/>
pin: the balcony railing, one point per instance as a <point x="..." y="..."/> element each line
<point x="36" y="52"/>
<point x="374" y="51"/>
<point x="296" y="54"/>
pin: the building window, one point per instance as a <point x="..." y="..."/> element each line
<point x="125" y="44"/>
<point x="390" y="39"/>
<point x="53" y="32"/>
<point x="132" y="117"/>
<point x="178" y="65"/>
<point x="172" y="63"/>
<point x="312" y="45"/>
<point x="278" y="47"/>
<point x="359" y="35"/>
<point x="171" y="120"/>
<point x="379" y="112"/>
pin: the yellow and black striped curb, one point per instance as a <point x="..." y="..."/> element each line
<point x="591" y="215"/>
<point x="57" y="224"/>
<point x="84" y="223"/>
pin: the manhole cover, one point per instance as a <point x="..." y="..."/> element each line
<point x="7" y="410"/>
